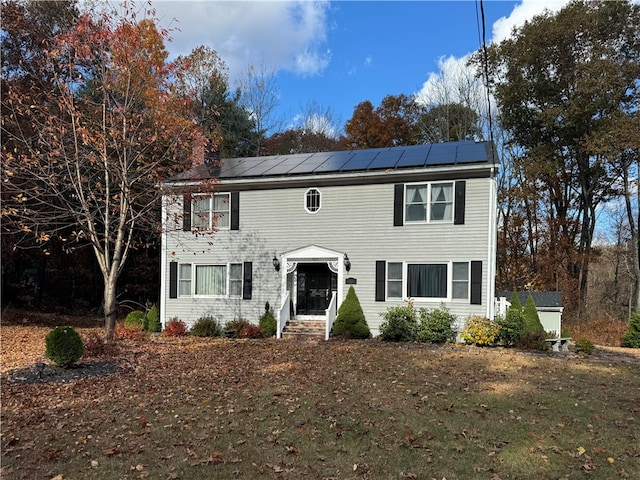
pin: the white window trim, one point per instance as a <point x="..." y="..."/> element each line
<point x="211" y="225"/>
<point x="306" y="196"/>
<point x="428" y="214"/>
<point x="448" y="298"/>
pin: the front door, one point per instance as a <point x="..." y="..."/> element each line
<point x="315" y="284"/>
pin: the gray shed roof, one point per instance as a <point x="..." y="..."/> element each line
<point x="350" y="161"/>
<point x="541" y="299"/>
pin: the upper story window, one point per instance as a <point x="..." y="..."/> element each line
<point x="429" y="202"/>
<point x="210" y="211"/>
<point x="312" y="200"/>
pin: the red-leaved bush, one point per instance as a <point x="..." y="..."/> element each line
<point x="251" y="331"/>
<point x="128" y="333"/>
<point x="175" y="328"/>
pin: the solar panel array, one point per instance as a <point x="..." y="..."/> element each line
<point x="414" y="156"/>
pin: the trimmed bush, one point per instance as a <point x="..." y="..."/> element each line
<point x="532" y="319"/>
<point x="631" y="338"/>
<point x="400" y="324"/>
<point x="436" y="325"/>
<point x="134" y="320"/>
<point x="175" y="328"/>
<point x="350" y="322"/>
<point x="152" y="320"/>
<point x="63" y="346"/>
<point x="516" y="304"/>
<point x="510" y="327"/>
<point x="533" y="340"/>
<point x="268" y="322"/>
<point x="480" y="330"/>
<point x="206" y="327"/>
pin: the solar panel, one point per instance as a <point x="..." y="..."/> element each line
<point x="387" y="158"/>
<point x="471" y="152"/>
<point x="442" y="154"/>
<point x="335" y="162"/>
<point x="415" y="156"/>
<point x="288" y="163"/>
<point x="261" y="167"/>
<point x="361" y="159"/>
<point x="311" y="163"/>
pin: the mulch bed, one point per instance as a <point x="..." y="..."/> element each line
<point x="43" y="373"/>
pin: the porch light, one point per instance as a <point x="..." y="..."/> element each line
<point x="276" y="263"/>
<point x="347" y="263"/>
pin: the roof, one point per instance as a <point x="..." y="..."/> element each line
<point x="541" y="299"/>
<point x="351" y="161"/>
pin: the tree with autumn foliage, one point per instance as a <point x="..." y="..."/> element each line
<point x="86" y="170"/>
<point x="562" y="81"/>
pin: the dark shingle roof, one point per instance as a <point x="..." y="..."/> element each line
<point x="381" y="159"/>
<point x="541" y="299"/>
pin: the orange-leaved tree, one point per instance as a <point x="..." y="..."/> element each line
<point x="111" y="129"/>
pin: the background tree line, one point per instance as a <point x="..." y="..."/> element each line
<point x="564" y="118"/>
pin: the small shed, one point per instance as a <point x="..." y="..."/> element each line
<point x="548" y="305"/>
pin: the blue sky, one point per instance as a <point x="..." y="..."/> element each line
<point x="335" y="55"/>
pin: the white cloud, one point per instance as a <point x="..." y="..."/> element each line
<point x="450" y="68"/>
<point x="280" y="35"/>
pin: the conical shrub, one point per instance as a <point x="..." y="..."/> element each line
<point x="350" y="322"/>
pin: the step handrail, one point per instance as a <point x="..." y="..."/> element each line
<point x="330" y="314"/>
<point x="283" y="315"/>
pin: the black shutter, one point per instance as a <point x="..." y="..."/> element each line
<point x="186" y="212"/>
<point x="476" y="283"/>
<point x="173" y="280"/>
<point x="380" y="280"/>
<point x="398" y="205"/>
<point x="460" y="201"/>
<point x="247" y="280"/>
<point x="235" y="211"/>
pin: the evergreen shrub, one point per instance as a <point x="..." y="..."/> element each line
<point x="584" y="346"/>
<point x="206" y="327"/>
<point x="135" y="319"/>
<point x="631" y="338"/>
<point x="436" y="325"/>
<point x="400" y="324"/>
<point x="510" y="327"/>
<point x="532" y="319"/>
<point x="268" y="322"/>
<point x="152" y="320"/>
<point x="63" y="346"/>
<point x="533" y="340"/>
<point x="480" y="331"/>
<point x="351" y="322"/>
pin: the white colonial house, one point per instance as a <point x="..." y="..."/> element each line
<point x="416" y="222"/>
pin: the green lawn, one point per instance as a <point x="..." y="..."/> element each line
<point x="201" y="409"/>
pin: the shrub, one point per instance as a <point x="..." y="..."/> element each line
<point x="631" y="338"/>
<point x="534" y="340"/>
<point x="95" y="346"/>
<point x="516" y="304"/>
<point x="206" y="327"/>
<point x="152" y="320"/>
<point x="350" y="322"/>
<point x="175" y="328"/>
<point x="400" y="324"/>
<point x="584" y="346"/>
<point x="268" y="322"/>
<point x="510" y="327"/>
<point x="135" y="319"/>
<point x="532" y="319"/>
<point x="436" y="325"/>
<point x="480" y="330"/>
<point x="63" y="346"/>
<point x="242" y="328"/>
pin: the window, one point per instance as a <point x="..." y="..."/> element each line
<point x="210" y="211"/>
<point x="427" y="280"/>
<point x="184" y="280"/>
<point x="431" y="202"/>
<point x="211" y="280"/>
<point x="394" y="280"/>
<point x="460" y="281"/>
<point x="312" y="201"/>
<point x="235" y="280"/>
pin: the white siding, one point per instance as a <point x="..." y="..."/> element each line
<point x="356" y="219"/>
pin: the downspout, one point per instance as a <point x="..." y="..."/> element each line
<point x="163" y="260"/>
<point x="492" y="246"/>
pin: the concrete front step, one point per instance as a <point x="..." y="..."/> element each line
<point x="304" y="329"/>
